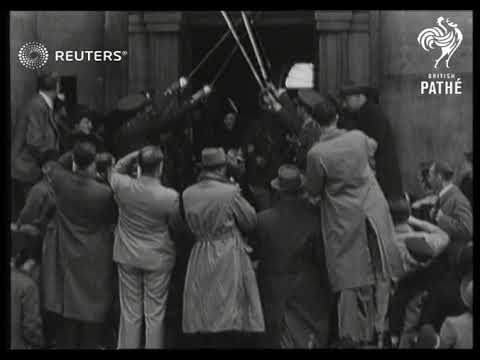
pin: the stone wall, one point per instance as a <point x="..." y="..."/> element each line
<point x="427" y="127"/>
<point x="99" y="84"/>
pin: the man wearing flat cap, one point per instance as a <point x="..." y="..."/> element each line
<point x="221" y="298"/>
<point x="367" y="116"/>
<point x="292" y="276"/>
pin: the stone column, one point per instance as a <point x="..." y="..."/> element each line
<point x="116" y="73"/>
<point x="333" y="67"/>
<point x="137" y="53"/>
<point x="22" y="80"/>
<point x="164" y="48"/>
<point x="359" y="48"/>
<point x="348" y="48"/>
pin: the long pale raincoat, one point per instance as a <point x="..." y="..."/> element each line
<point x="221" y="292"/>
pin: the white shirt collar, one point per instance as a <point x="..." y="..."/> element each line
<point x="444" y="190"/>
<point x="47" y="99"/>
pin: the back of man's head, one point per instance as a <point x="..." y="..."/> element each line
<point x="150" y="158"/>
<point x="444" y="170"/>
<point x="104" y="161"/>
<point x="48" y="81"/>
<point x="325" y="111"/>
<point x="84" y="154"/>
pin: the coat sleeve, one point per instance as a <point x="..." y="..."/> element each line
<point x="33" y="205"/>
<point x="372" y="146"/>
<point x="288" y="116"/>
<point x="170" y="118"/>
<point x="315" y="180"/>
<point x="458" y="224"/>
<point x="180" y="232"/>
<point x="32" y="331"/>
<point x="111" y="210"/>
<point x="39" y="207"/>
<point x="34" y="134"/>
<point x="244" y="213"/>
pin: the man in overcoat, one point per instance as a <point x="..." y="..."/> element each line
<point x="365" y="115"/>
<point x="221" y="297"/>
<point x="292" y="276"/>
<point x="77" y="263"/>
<point x="362" y="257"/>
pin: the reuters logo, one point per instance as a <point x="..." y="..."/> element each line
<point x="33" y="55"/>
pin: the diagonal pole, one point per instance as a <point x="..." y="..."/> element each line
<point x="245" y="55"/>
<point x="255" y="47"/>
<point x="212" y="50"/>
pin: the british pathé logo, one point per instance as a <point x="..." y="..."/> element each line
<point x="33" y="55"/>
<point x="446" y="39"/>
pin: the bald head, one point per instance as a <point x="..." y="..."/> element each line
<point x="150" y="159"/>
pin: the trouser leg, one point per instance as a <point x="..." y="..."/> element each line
<point x="131" y="307"/>
<point x="90" y="335"/>
<point x="52" y="325"/>
<point x="155" y="302"/>
<point x="69" y="335"/>
<point x="356" y="315"/>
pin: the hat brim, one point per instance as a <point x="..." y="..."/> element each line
<point x="275" y="184"/>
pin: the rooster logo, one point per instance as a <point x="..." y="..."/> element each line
<point x="447" y="40"/>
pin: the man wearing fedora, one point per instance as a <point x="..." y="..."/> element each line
<point x="221" y="298"/>
<point x="292" y="274"/>
<point x="358" y="232"/>
<point x="366" y="115"/>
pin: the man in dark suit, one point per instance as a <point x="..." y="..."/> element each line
<point x="293" y="281"/>
<point x="77" y="263"/>
<point x="365" y="115"/>
<point x="453" y="212"/>
<point x="35" y="135"/>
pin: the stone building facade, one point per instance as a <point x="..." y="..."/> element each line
<point x="377" y="47"/>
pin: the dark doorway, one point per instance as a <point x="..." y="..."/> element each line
<point x="283" y="45"/>
<point x="68" y="86"/>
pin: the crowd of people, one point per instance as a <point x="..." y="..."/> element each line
<point x="146" y="228"/>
